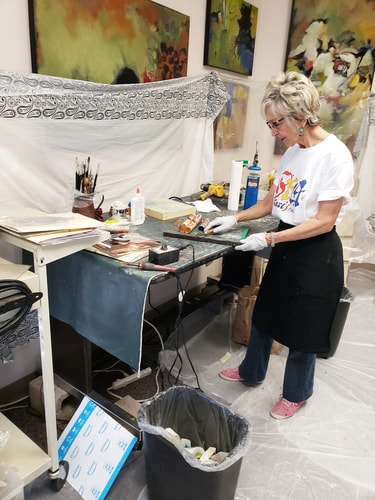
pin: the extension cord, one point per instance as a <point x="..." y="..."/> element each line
<point x="122" y="382"/>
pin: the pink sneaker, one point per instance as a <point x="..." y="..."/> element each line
<point x="231" y="374"/>
<point x="285" y="409"/>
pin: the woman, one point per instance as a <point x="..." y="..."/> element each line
<point x="302" y="284"/>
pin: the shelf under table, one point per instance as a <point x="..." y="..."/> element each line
<point x="22" y="453"/>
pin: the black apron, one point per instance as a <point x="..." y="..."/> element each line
<point x="300" y="292"/>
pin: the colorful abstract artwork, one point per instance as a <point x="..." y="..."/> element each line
<point x="108" y="41"/>
<point x="230" y="124"/>
<point x="333" y="44"/>
<point x="230" y="35"/>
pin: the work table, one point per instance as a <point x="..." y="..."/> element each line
<point x="104" y="300"/>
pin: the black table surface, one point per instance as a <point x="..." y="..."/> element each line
<point x="197" y="248"/>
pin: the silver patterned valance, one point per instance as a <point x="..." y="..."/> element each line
<point x="26" y="331"/>
<point x="24" y="95"/>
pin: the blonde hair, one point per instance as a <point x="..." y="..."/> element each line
<point x="294" y="96"/>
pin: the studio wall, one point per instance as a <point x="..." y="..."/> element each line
<point x="272" y="30"/>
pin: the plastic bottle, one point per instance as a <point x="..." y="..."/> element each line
<point x="137" y="214"/>
<point x="252" y="183"/>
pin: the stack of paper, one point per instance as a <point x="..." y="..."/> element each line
<point x="51" y="228"/>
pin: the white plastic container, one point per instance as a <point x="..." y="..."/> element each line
<point x="137" y="214"/>
<point x="118" y="210"/>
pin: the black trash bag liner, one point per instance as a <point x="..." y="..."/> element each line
<point x="171" y="471"/>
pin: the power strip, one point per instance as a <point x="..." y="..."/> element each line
<point x="122" y="382"/>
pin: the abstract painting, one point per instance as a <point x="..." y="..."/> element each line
<point x="230" y="35"/>
<point x="108" y="41"/>
<point x="229" y="126"/>
<point x="333" y="44"/>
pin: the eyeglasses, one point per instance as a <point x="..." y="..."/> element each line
<point x="275" y="124"/>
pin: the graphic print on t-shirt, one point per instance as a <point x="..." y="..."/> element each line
<point x="289" y="192"/>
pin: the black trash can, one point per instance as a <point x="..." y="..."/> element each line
<point x="339" y="322"/>
<point x="172" y="473"/>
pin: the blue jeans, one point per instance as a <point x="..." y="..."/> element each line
<point x="299" y="370"/>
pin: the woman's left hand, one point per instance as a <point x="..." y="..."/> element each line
<point x="254" y="243"/>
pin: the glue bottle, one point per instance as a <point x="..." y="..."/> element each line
<point x="137" y="214"/>
<point x="252" y="183"/>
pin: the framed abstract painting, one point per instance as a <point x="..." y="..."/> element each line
<point x="229" y="127"/>
<point x="230" y="35"/>
<point x="333" y="44"/>
<point x="108" y="41"/>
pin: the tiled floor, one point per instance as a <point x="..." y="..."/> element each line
<point x="324" y="452"/>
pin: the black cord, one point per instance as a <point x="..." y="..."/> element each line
<point x="187" y="352"/>
<point x="16" y="296"/>
<point x="177" y="198"/>
<point x="177" y="330"/>
<point x="178" y="324"/>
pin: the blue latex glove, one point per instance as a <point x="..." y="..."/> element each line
<point x="221" y="224"/>
<point x="254" y="242"/>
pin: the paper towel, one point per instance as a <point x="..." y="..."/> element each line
<point x="235" y="185"/>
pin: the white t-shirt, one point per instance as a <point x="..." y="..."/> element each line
<point x="306" y="176"/>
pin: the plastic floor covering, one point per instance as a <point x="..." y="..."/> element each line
<point x="326" y="451"/>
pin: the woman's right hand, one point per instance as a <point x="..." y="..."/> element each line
<point x="221" y="224"/>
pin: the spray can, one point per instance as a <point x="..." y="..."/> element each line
<point x="252" y="183"/>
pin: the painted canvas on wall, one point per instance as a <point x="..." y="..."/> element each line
<point x="229" y="126"/>
<point x="108" y="41"/>
<point x="230" y="35"/>
<point x="333" y="44"/>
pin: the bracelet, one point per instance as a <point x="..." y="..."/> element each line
<point x="272" y="239"/>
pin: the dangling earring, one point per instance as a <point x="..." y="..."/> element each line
<point x="301" y="131"/>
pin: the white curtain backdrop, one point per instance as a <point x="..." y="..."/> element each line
<point x="363" y="250"/>
<point x="158" y="136"/>
<point x="366" y="189"/>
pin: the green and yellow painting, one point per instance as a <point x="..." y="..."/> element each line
<point x="230" y="35"/>
<point x="108" y="41"/>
